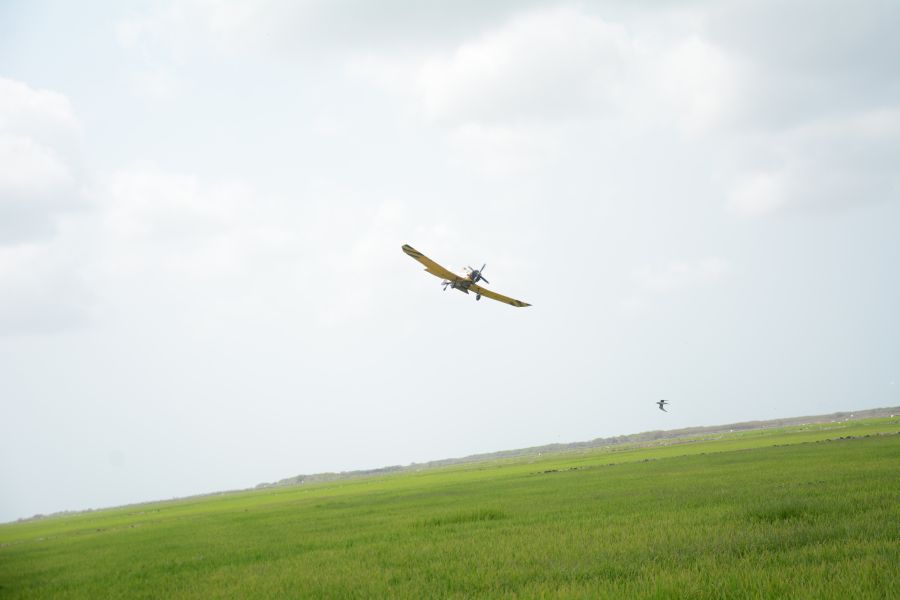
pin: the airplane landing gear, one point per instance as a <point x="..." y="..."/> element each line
<point x="478" y="296"/>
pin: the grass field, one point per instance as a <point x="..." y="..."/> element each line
<point x="801" y="512"/>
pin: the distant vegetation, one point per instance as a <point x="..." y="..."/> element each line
<point x="805" y="511"/>
<point x="662" y="436"/>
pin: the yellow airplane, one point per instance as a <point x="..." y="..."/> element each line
<point x="465" y="282"/>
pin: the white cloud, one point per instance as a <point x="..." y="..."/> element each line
<point x="832" y="163"/>
<point x="33" y="125"/>
<point x="170" y="32"/>
<point x="155" y="219"/>
<point x="816" y="125"/>
<point x="507" y="99"/>
<point x="521" y="96"/>
<point x="144" y="202"/>
<point x="699" y="83"/>
<point x="558" y="64"/>
<point x="810" y="59"/>
<point x="759" y="194"/>
<point x="23" y="108"/>
<point x="38" y="181"/>
<point x="40" y="290"/>
<point x="566" y="64"/>
<point x="29" y="165"/>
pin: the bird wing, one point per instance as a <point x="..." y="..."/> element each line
<point x="430" y="266"/>
<point x="495" y="296"/>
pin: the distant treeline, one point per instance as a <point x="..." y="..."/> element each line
<point x="635" y="438"/>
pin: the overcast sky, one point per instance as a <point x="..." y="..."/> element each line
<point x="202" y="205"/>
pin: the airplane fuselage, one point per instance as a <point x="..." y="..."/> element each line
<point x="462" y="281"/>
<point x="461" y="284"/>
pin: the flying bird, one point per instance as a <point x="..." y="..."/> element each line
<point x="662" y="403"/>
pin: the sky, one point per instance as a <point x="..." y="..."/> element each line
<point x="202" y="205"/>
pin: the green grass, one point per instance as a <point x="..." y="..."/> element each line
<point x="800" y="512"/>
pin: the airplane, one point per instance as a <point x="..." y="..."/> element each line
<point x="462" y="282"/>
<point x="662" y="403"/>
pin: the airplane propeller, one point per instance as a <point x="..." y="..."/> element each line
<point x="476" y="274"/>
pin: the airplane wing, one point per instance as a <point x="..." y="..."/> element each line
<point x="430" y="266"/>
<point x="495" y="296"/>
